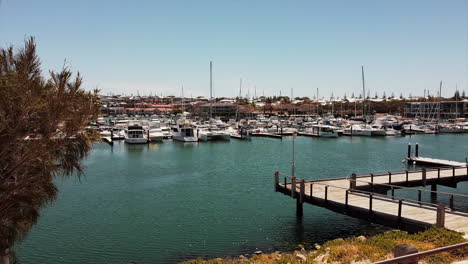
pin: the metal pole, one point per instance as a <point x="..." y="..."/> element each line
<point x="293" y="173"/>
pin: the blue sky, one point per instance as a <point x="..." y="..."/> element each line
<point x="158" y="46"/>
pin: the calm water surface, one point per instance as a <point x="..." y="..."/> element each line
<point x="163" y="203"/>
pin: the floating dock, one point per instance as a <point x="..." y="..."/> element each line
<point x="365" y="197"/>
<point x="305" y="134"/>
<point x="436" y="162"/>
<point x="270" y="135"/>
<point x="416" y="159"/>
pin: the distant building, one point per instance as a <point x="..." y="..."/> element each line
<point x="448" y="109"/>
<point x="222" y="109"/>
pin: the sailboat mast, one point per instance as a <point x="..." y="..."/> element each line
<point x="317" y="102"/>
<point x="211" y="89"/>
<point x="363" y="91"/>
<point x="440" y="98"/>
<point x="456" y="101"/>
<point x="183" y="100"/>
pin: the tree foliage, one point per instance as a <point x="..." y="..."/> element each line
<point x="42" y="133"/>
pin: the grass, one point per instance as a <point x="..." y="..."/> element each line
<point x="357" y="249"/>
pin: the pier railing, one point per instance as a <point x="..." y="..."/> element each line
<point x="392" y="188"/>
<point x="297" y="191"/>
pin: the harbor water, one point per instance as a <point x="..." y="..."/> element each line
<point x="172" y="201"/>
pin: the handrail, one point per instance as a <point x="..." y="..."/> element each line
<point x="411" y="171"/>
<point x="391" y="198"/>
<point x="413" y="189"/>
<point x="422" y="254"/>
<point x="394" y="199"/>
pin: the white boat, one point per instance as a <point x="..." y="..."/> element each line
<point x="184" y="132"/>
<point x="135" y="134"/>
<point x="323" y="131"/>
<point x="212" y="134"/>
<point x="364" y="130"/>
<point x="451" y="129"/>
<point x="156" y="135"/>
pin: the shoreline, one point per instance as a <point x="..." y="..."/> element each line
<point x="358" y="250"/>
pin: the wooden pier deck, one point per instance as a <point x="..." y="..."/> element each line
<point x="431" y="161"/>
<point x="364" y="197"/>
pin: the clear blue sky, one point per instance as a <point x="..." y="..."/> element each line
<point x="158" y="46"/>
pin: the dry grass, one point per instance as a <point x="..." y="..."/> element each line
<point x="358" y="250"/>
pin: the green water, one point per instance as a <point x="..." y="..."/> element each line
<point x="162" y="203"/>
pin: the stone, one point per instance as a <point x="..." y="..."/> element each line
<point x="317" y="246"/>
<point x="258" y="252"/>
<point x="301" y="257"/>
<point x="361" y="238"/>
<point x="403" y="250"/>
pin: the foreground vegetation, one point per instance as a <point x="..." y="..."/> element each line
<point x="361" y="249"/>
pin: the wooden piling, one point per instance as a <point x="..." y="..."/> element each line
<point x="277" y="181"/>
<point x="440" y="221"/>
<point x="434" y="191"/>
<point x="352" y="182"/>
<point x="409" y="150"/>
<point x="416" y="154"/>
<point x="302" y="191"/>
<point x="424" y="177"/>
<point x="293" y="186"/>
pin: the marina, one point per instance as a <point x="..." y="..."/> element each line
<point x="193" y="200"/>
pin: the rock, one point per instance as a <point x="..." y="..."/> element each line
<point x="242" y="257"/>
<point x="402" y="250"/>
<point x="317" y="246"/>
<point x="258" y="252"/>
<point x="322" y="258"/>
<point x="339" y="240"/>
<point x="301" y="247"/>
<point x="362" y="238"/>
<point x="301" y="257"/>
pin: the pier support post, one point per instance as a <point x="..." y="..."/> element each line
<point x="293" y="186"/>
<point x="299" y="209"/>
<point x="409" y="150"/>
<point x="352" y="181"/>
<point x="302" y="191"/>
<point x="440" y="221"/>
<point x="424" y="176"/>
<point x="277" y="181"/>
<point x="416" y="154"/>
<point x="434" y="190"/>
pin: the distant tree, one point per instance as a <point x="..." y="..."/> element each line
<point x="352" y="95"/>
<point x="376" y="96"/>
<point x="43" y="135"/>
<point x="456" y="95"/>
<point x="384" y="96"/>
<point x="463" y="94"/>
<point x="392" y="95"/>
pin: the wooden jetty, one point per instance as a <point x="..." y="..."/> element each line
<point x="365" y="197"/>
<point x="416" y="159"/>
<point x="264" y="134"/>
